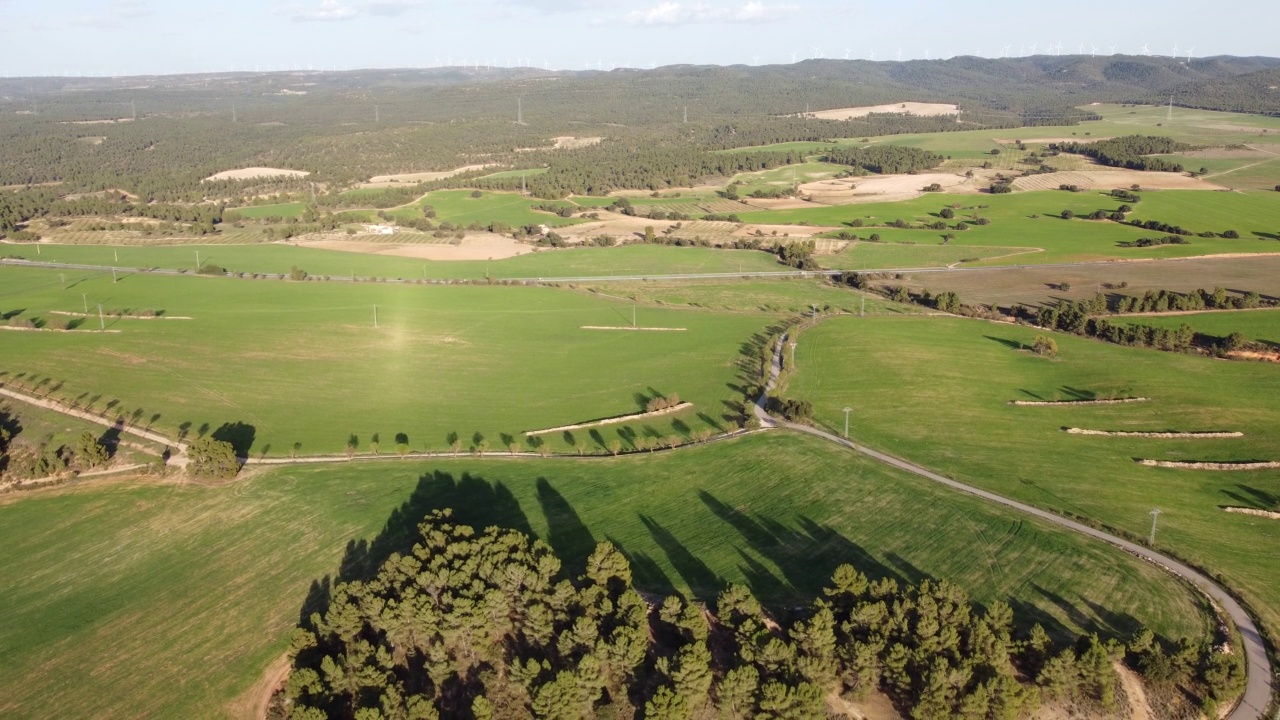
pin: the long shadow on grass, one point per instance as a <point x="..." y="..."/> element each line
<point x="806" y="556"/>
<point x="474" y="502"/>
<point x="701" y="579"/>
<point x="566" y="533"/>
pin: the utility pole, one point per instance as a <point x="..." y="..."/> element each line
<point x="863" y="313"/>
<point x="102" y="323"/>
<point x="519" y="111"/>
<point x="1155" y="515"/>
<point x="686" y="114"/>
<point x="376" y="116"/>
<point x="847" y="410"/>
<point x="375" y="316"/>
<point x="113" y="276"/>
<point x="84" y="298"/>
<point x="115" y="254"/>
<point x="633" y="315"/>
<point x="64" y="280"/>
<point x="197" y="260"/>
<point x="1169" y="117"/>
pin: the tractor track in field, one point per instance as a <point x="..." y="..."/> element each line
<point x="1256" y="699"/>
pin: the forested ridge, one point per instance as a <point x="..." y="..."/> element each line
<point x="483" y="624"/>
<point x="166" y="134"/>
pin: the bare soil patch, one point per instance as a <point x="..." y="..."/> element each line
<point x="480" y="246"/>
<point x="1263" y="355"/>
<point x="909" y="108"/>
<point x="1270" y="515"/>
<point x="1139" y="706"/>
<point x="255" y="172"/>
<point x="887" y="188"/>
<point x="116" y="121"/>
<point x="1035" y="286"/>
<point x="253" y="703"/>
<point x="1113" y="179"/>
<point x="382" y="181"/>
<point x="1227" y="466"/>
<point x="1113" y="401"/>
<point x="1167" y="435"/>
<point x="777" y="203"/>
<point x="566" y="142"/>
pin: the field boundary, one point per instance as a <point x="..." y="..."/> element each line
<point x="616" y="419"/>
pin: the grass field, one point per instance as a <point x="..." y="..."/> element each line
<point x="1031" y="220"/>
<point x="284" y="210"/>
<point x="477" y="359"/>
<point x="936" y="391"/>
<point x="458" y="207"/>
<point x="1257" y="325"/>
<point x="279" y="258"/>
<point x="782" y="176"/>
<point x="171" y="599"/>
<point x="528" y="172"/>
<point x="769" y="296"/>
<point x="37" y="426"/>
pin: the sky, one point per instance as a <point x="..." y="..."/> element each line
<point x="136" y="37"/>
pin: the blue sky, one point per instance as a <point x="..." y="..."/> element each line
<point x="126" y="37"/>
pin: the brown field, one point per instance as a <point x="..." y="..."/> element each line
<point x="1033" y="286"/>
<point x="382" y="181"/>
<point x="888" y="188"/>
<point x="910" y="108"/>
<point x="1113" y="179"/>
<point x="1228" y="153"/>
<point x="476" y="246"/>
<point x="255" y="172"/>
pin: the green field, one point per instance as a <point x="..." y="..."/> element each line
<point x="782" y="176"/>
<point x="284" y="210"/>
<point x="1261" y="326"/>
<point x="1031" y="220"/>
<point x="459" y="208"/>
<point x="478" y="359"/>
<point x="527" y="172"/>
<point x="170" y="600"/>
<point x="37" y="426"/>
<point x="790" y="295"/>
<point x="936" y="391"/>
<point x="279" y="258"/>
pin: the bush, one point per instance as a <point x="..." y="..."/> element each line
<point x="212" y="458"/>
<point x="1067" y="214"/>
<point x="477" y="194"/>
<point x="946" y="213"/>
<point x="297" y="274"/>
<point x="211" y="269"/>
<point x="1231" y="235"/>
<point x="1045" y="345"/>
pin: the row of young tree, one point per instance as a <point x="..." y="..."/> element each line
<point x="1132" y="152"/>
<point x="483" y="624"/>
<point x="1086" y="317"/>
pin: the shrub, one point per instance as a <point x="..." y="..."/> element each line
<point x="946" y="213"/>
<point x="477" y="194"/>
<point x="1231" y="235"/>
<point x="1045" y="345"/>
<point x="212" y="458"/>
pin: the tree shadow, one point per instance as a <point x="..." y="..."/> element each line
<point x="240" y="435"/>
<point x="1254" y="498"/>
<point x="806" y="556"/>
<point x="645" y="572"/>
<point x="1078" y="393"/>
<point x="566" y="533"/>
<point x="1012" y="344"/>
<point x="111" y="438"/>
<point x="701" y="579"/>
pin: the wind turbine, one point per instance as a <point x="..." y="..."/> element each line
<point x="1145" y="50"/>
<point x="926" y="53"/>
<point x="1006" y="51"/>
<point x="793" y="57"/>
<point x="846" y="53"/>
<point x="755" y="59"/>
<point x="1033" y="48"/>
<point x="1093" y="50"/>
<point x="1111" y="49"/>
<point x="1193" y="47"/>
<point x="899" y="54"/>
<point x="1080" y="49"/>
<point x="873" y="54"/>
<point x="1174" y="54"/>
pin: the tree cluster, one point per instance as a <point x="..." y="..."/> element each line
<point x="886" y="159"/>
<point x="1131" y="151"/>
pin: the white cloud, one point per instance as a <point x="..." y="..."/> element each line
<point x="673" y="12"/>
<point x="337" y="10"/>
<point x="327" y="11"/>
<point x="390" y="8"/>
